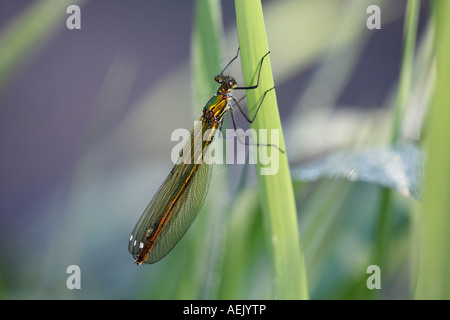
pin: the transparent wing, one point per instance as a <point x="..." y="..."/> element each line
<point x="178" y="201"/>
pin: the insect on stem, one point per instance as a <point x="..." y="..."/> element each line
<point x="177" y="202"/>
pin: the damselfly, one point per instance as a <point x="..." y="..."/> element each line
<point x="179" y="199"/>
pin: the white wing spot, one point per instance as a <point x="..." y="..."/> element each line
<point x="131" y="237"/>
<point x="141" y="245"/>
<point x="134" y="243"/>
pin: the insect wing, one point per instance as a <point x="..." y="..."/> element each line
<point x="179" y="199"/>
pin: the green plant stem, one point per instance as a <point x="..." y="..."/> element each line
<point x="404" y="87"/>
<point x="205" y="63"/>
<point x="206" y="51"/>
<point x="276" y="192"/>
<point x="434" y="238"/>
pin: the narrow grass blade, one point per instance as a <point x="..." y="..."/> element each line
<point x="403" y="94"/>
<point x="205" y="249"/>
<point x="276" y="191"/>
<point x="434" y="237"/>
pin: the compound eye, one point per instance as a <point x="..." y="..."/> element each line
<point x="231" y="83"/>
<point x="218" y="78"/>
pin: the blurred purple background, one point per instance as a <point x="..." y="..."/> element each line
<point x="43" y="112"/>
